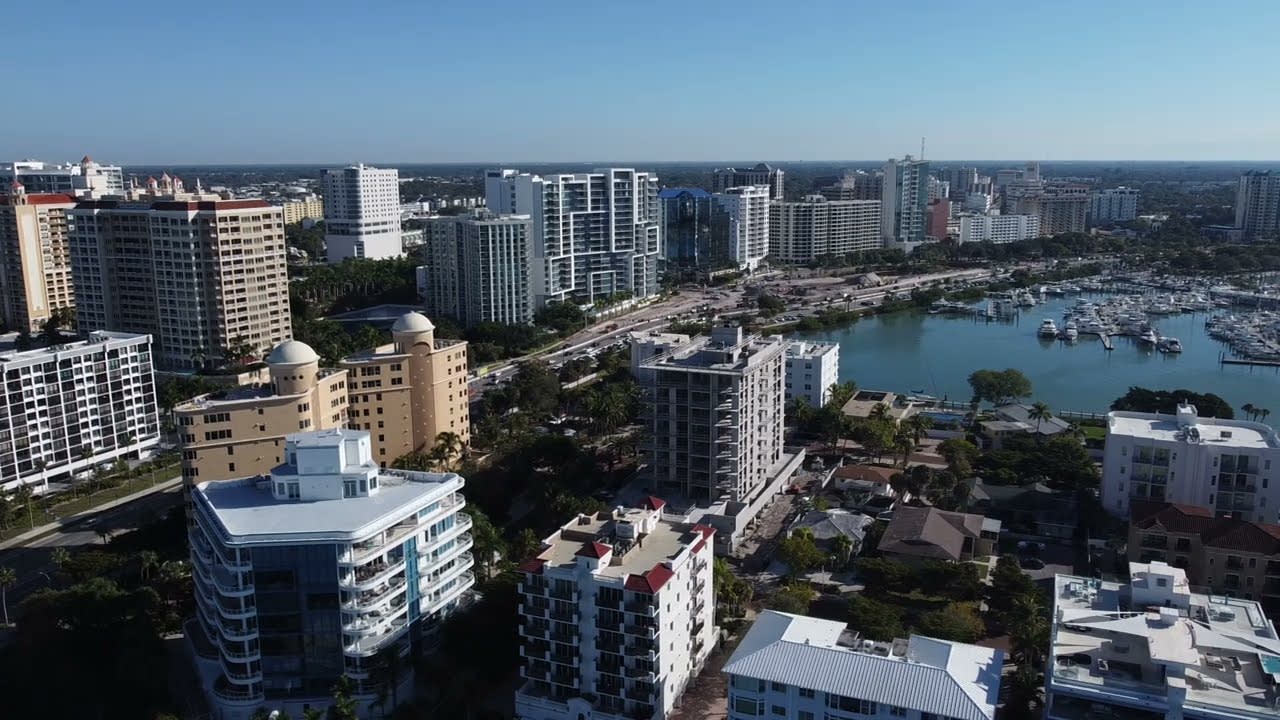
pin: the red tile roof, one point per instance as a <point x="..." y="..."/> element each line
<point x="1216" y="532"/>
<point x="532" y="565"/>
<point x="651" y="581"/>
<point x="865" y="473"/>
<point x="593" y="550"/>
<point x="654" y="503"/>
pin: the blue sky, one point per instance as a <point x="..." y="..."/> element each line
<point x="282" y="81"/>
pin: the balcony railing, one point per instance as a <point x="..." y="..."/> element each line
<point x="370" y="644"/>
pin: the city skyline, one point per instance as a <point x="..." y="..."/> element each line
<point x="439" y="84"/>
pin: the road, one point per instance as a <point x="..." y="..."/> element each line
<point x="824" y="292"/>
<point x="31" y="562"/>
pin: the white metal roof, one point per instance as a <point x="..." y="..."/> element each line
<point x="945" y="678"/>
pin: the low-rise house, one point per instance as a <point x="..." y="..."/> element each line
<point x="1153" y="649"/>
<point x="1035" y="509"/>
<point x="1226" y="555"/>
<point x="793" y="666"/>
<point x="827" y="525"/>
<point x="917" y="534"/>
<point x="871" y="479"/>
<point x="1015" y="420"/>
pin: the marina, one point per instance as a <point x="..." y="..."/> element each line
<point x="933" y="353"/>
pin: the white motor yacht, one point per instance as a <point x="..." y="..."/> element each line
<point x="1148" y="337"/>
<point x="1048" y="328"/>
<point x="1070" y="332"/>
<point x="1169" y="345"/>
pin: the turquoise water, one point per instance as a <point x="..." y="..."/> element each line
<point x="915" y="351"/>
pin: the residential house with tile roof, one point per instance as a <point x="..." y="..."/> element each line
<point x="917" y="534"/>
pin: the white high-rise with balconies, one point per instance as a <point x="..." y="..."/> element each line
<point x="320" y="570"/>
<point x="1117" y="204"/>
<point x="595" y="234"/>
<point x="904" y="202"/>
<point x="616" y="616"/>
<point x="361" y="213"/>
<point x="745" y="214"/>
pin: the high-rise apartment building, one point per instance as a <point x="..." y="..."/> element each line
<point x="939" y="219"/>
<point x="860" y="185"/>
<point x="741" y="216"/>
<point x="361" y="213"/>
<point x="904" y="202"/>
<point x="406" y="394"/>
<point x="804" y="668"/>
<point x="1222" y="465"/>
<point x="812" y="369"/>
<point x="35" y="261"/>
<point x="816" y="227"/>
<point x="762" y="174"/>
<point x="962" y="181"/>
<point x="72" y="408"/>
<point x="1258" y="205"/>
<point x="298" y="209"/>
<point x="616" y="616"/>
<point x="687" y="234"/>
<point x="203" y="277"/>
<point x="937" y="189"/>
<point x="241" y="431"/>
<point x="714" y="414"/>
<point x="85" y="179"/>
<point x="476" y="268"/>
<point x="1061" y="208"/>
<point x="998" y="228"/>
<point x="595" y="234"/>
<point x="1114" y="205"/>
<point x="328" y="567"/>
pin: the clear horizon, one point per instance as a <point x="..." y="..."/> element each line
<point x="327" y="83"/>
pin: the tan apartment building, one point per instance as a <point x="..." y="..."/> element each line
<point x="35" y="262"/>
<point x="1223" y="554"/>
<point x="408" y="392"/>
<point x="240" y="432"/>
<point x="295" y="211"/>
<point x="200" y="274"/>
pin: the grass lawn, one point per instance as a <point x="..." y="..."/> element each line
<point x="1093" y="432"/>
<point x="68" y="504"/>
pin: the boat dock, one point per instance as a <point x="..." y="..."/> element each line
<point x="1223" y="359"/>
<point x="1107" y="344"/>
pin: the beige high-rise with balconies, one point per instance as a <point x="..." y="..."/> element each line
<point x="35" y="264"/>
<point x="240" y="432"/>
<point x="407" y="393"/>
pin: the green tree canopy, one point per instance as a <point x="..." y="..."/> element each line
<point x="875" y="619"/>
<point x="999" y="386"/>
<point x="795" y="597"/>
<point x="800" y="553"/>
<point x="958" y="622"/>
<point x="1140" y="399"/>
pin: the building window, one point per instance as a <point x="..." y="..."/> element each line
<point x="294" y="492"/>
<point x="364" y="486"/>
<point x="348" y="488"/>
<point x="779" y="710"/>
<point x="804" y="715"/>
<point x="806" y="692"/>
<point x="231" y="467"/>
<point x="748" y="706"/>
<point x="896" y="711"/>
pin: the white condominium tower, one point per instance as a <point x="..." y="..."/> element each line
<point x="594" y="234"/>
<point x="83" y="179"/>
<point x="204" y="278"/>
<point x="327" y="567"/>
<point x="715" y="414"/>
<point x="817" y="227"/>
<point x="616" y="616"/>
<point x="744" y="212"/>
<point x="476" y="268"/>
<point x="1114" y="205"/>
<point x="904" y="202"/>
<point x="361" y="213"/>
<point x="74" y="407"/>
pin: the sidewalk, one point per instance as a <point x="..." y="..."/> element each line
<point x="62" y="522"/>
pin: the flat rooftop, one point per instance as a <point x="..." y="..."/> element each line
<point x="250" y="514"/>
<point x="1223" y="650"/>
<point x="240" y="393"/>
<point x="664" y="542"/>
<point x="712" y="354"/>
<point x="1211" y="431"/>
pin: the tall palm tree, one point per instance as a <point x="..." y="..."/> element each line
<point x="388" y="668"/>
<point x="918" y="425"/>
<point x="7" y="578"/>
<point x="879" y="411"/>
<point x="148" y="561"/>
<point x="24" y="495"/>
<point x="1248" y="409"/>
<point x="843" y="546"/>
<point x="60" y="556"/>
<point x="903" y="443"/>
<point x="1263" y="413"/>
<point x="1039" y="412"/>
<point x="448" y="446"/>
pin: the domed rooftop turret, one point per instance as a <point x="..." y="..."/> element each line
<point x="292" y="352"/>
<point x="412" y="322"/>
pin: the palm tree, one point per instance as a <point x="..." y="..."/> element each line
<point x="1248" y="409"/>
<point x="387" y="671"/>
<point x="843" y="547"/>
<point x="879" y="411"/>
<point x="344" y="706"/>
<point x="448" y="446"/>
<point x="7" y="578"/>
<point x="1263" y="413"/>
<point x="1039" y="412"/>
<point x="903" y="443"/>
<point x="313" y="713"/>
<point x="60" y="556"/>
<point x="24" y="495"/>
<point x="918" y="425"/>
<point x="148" y="561"/>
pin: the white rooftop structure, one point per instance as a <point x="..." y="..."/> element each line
<point x="1155" y="648"/>
<point x="1187" y="427"/>
<point x="828" y="666"/>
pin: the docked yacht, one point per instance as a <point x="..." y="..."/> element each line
<point x="1070" y="332"/>
<point x="1148" y="337"/>
<point x="1048" y="329"/>
<point x="1169" y="345"/>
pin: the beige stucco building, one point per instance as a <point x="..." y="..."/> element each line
<point x="404" y="394"/>
<point x="35" y="263"/>
<point x="240" y="432"/>
<point x="309" y="208"/>
<point x="408" y="392"/>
